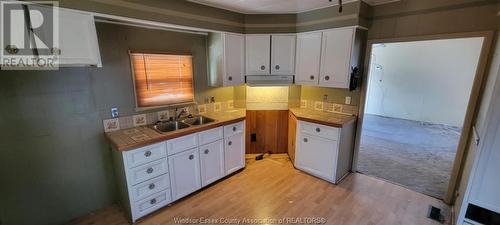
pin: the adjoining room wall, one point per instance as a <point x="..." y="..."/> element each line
<point x="426" y="81"/>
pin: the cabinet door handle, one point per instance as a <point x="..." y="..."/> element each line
<point x="153" y="201"/>
<point x="12" y="49"/>
<point x="317" y="129"/>
<point x="230" y="78"/>
<point x="191" y="157"/>
<point x="277" y="67"/>
<point x="150" y="170"/>
<point x="55" y="51"/>
<point x="327" y="77"/>
<point x="234" y="128"/>
<point x="206" y="151"/>
<point x="152" y="186"/>
<point x="230" y="143"/>
<point x="305" y="139"/>
<point x="262" y="67"/>
<point x="147" y="153"/>
<point x="311" y="77"/>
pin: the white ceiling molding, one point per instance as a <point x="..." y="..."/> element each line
<point x="278" y="6"/>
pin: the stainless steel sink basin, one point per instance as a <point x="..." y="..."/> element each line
<point x="198" y="120"/>
<point x="170" y="126"/>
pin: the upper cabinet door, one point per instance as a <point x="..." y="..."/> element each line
<point x="308" y="58"/>
<point x="76" y="44"/>
<point x="336" y="58"/>
<point x="258" y="50"/>
<point x="283" y="54"/>
<point x="234" y="55"/>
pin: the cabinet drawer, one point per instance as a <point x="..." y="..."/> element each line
<point x="234" y="128"/>
<point x="182" y="144"/>
<point x="323" y="131"/>
<point x="145" y="155"/>
<point x="210" y="136"/>
<point x="146" y="172"/>
<point x="147" y="188"/>
<point x="151" y="203"/>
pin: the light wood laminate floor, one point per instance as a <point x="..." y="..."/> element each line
<point x="273" y="189"/>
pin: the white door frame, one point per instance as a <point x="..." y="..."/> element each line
<point x="471" y="112"/>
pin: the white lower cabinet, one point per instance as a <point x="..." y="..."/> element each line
<point x="153" y="176"/>
<point x="212" y="162"/>
<point x="234" y="147"/>
<point x="324" y="151"/>
<point x="185" y="175"/>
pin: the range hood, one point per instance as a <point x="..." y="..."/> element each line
<point x="269" y="80"/>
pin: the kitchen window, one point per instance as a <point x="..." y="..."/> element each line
<point x="162" y="79"/>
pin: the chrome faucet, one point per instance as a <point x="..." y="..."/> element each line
<point x="180" y="113"/>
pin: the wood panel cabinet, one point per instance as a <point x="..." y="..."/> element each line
<point x="270" y="128"/>
<point x="226" y="57"/>
<point x="212" y="162"/>
<point x="308" y="58"/>
<point x="185" y="175"/>
<point x="258" y="48"/>
<point x="292" y="128"/>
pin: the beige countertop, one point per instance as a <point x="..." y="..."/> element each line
<point x="322" y="117"/>
<point x="136" y="137"/>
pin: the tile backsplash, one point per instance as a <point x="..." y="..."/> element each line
<point x="143" y="119"/>
<point x="329" y="106"/>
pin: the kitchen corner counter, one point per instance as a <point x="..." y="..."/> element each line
<point x="321" y="117"/>
<point x="126" y="139"/>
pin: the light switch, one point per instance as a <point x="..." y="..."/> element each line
<point x="347" y="100"/>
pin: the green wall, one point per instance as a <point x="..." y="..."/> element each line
<point x="54" y="161"/>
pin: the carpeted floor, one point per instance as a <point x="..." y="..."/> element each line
<point x="414" y="154"/>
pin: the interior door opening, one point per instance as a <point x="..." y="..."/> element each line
<point x="416" y="100"/>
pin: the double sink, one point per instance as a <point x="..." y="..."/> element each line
<point x="169" y="126"/>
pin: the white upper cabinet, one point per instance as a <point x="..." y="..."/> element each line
<point x="308" y="58"/>
<point x="337" y="45"/>
<point x="258" y="53"/>
<point x="76" y="44"/>
<point x="226" y="56"/>
<point x="234" y="63"/>
<point x="283" y="54"/>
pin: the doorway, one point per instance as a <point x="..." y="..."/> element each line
<point x="417" y="101"/>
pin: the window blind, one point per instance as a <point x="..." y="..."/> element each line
<point x="162" y="79"/>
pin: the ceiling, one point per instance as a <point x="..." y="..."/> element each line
<point x="277" y="6"/>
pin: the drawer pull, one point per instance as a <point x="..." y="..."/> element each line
<point x="305" y="139"/>
<point x="317" y="129"/>
<point x="327" y="77"/>
<point x="234" y="128"/>
<point x="153" y="201"/>
<point x="147" y="153"/>
<point x="206" y="151"/>
<point x="230" y="143"/>
<point x="311" y="77"/>
<point x="149" y="171"/>
<point x="191" y="157"/>
<point x="277" y="67"/>
<point x="262" y="67"/>
<point x="230" y="78"/>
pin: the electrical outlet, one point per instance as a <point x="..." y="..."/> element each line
<point x="114" y="112"/>
<point x="348" y="100"/>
